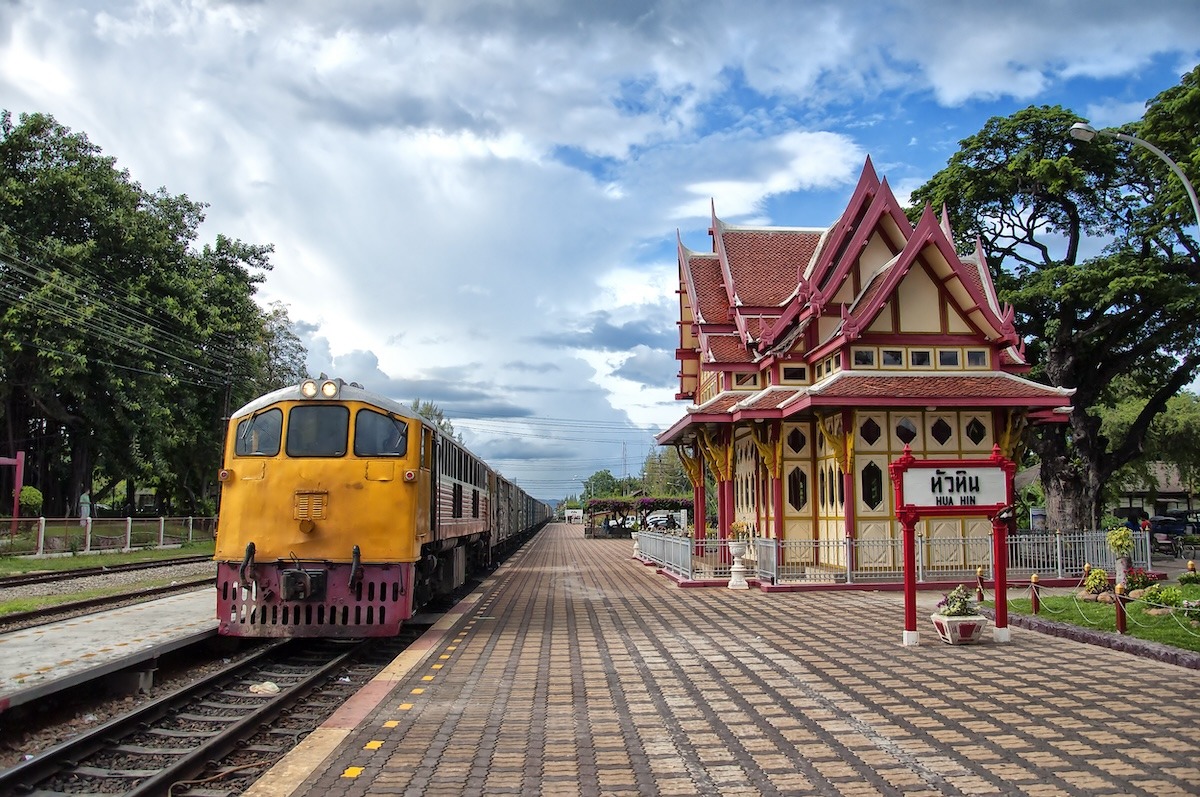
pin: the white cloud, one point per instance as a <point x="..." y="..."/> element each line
<point x="451" y="186"/>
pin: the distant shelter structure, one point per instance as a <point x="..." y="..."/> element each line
<point x="812" y="357"/>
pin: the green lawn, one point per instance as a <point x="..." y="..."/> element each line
<point x="11" y="565"/>
<point x="1172" y="629"/>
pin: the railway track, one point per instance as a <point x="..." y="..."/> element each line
<point x="217" y="735"/>
<point x="43" y="577"/>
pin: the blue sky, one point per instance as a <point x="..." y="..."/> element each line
<point x="476" y="203"/>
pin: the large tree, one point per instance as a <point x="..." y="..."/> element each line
<point x="117" y="337"/>
<point x="1094" y="244"/>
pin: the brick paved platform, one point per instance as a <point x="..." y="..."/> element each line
<point x="576" y="670"/>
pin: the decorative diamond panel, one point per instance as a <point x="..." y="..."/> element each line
<point x="872" y="485"/>
<point x="870" y="431"/>
<point x="906" y="430"/>
<point x="941" y="431"/>
<point x="797" y="484"/>
<point x="976" y="431"/>
<point x="796" y="440"/>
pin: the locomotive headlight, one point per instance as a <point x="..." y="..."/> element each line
<point x="308" y="388"/>
<point x="329" y="388"/>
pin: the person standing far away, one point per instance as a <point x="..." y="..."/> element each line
<point x="85" y="508"/>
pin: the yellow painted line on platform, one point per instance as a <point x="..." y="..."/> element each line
<point x="443" y="657"/>
<point x="405" y="706"/>
<point x="417" y="691"/>
<point x="391" y="723"/>
<point x="426" y="677"/>
<point x="435" y="666"/>
<point x="374" y="744"/>
<point x="352" y="772"/>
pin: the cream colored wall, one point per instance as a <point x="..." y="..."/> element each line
<point x="745" y="480"/>
<point x="878" y="523"/>
<point x="920" y="303"/>
<point x="798" y="522"/>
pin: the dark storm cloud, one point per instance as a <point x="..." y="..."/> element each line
<point x="517" y="448"/>
<point x="537" y="368"/>
<point x="383" y="110"/>
<point x="651" y="368"/>
<point x="606" y="332"/>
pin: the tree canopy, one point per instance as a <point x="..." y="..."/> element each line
<point x="1094" y="245"/>
<point x="123" y="343"/>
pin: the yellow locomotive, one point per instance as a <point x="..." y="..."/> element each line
<point x="343" y="511"/>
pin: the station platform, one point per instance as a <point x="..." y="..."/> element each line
<point x="576" y="670"/>
<point x="48" y="658"/>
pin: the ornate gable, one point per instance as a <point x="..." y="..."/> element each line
<point x="871" y="294"/>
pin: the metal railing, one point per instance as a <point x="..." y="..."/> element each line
<point x="1057" y="555"/>
<point x="58" y="536"/>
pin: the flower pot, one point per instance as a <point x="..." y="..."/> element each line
<point x="960" y="629"/>
<point x="737" y="548"/>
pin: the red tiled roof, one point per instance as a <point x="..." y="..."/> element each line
<point x="992" y="385"/>
<point x="756" y="324"/>
<point x="726" y="349"/>
<point x="765" y="264"/>
<point x="722" y="403"/>
<point x="712" y="302"/>
<point x="771" y="398"/>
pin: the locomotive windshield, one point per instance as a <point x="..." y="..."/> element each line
<point x="379" y="435"/>
<point x="318" y="430"/>
<point x="259" y="434"/>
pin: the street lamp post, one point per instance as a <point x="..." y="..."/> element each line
<point x="1085" y="132"/>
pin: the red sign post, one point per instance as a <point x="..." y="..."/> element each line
<point x="18" y="480"/>
<point x="954" y="487"/>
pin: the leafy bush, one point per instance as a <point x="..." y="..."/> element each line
<point x="30" y="501"/>
<point x="1161" y="595"/>
<point x="1138" y="578"/>
<point x="1121" y="540"/>
<point x="1189" y="577"/>
<point x="1096" y="581"/>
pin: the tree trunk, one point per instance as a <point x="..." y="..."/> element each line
<point x="1073" y="490"/>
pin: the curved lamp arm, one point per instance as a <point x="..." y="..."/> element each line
<point x="1085" y="132"/>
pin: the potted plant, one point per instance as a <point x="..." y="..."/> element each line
<point x="739" y="537"/>
<point x="957" y="619"/>
<point x="1120" y="540"/>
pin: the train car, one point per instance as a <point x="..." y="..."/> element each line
<point x="343" y="512"/>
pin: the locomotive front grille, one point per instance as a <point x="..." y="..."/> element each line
<point x="310" y="505"/>
<point x="375" y="606"/>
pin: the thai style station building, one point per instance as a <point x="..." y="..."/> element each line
<point x="812" y="357"/>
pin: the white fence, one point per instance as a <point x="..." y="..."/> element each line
<point x="1057" y="555"/>
<point x="55" y="536"/>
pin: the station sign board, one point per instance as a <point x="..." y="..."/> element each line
<point x="952" y="486"/>
<point x="942" y="486"/>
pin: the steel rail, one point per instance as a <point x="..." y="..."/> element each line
<point x="43" y="576"/>
<point x="61" y="760"/>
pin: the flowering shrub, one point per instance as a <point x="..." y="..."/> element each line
<point x="739" y="529"/>
<point x="958" y="603"/>
<point x="1189" y="577"/>
<point x="1138" y="578"/>
<point x="1096" y="581"/>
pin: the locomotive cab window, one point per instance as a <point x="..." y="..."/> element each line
<point x="258" y="435"/>
<point x="379" y="435"/>
<point x="318" y="430"/>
